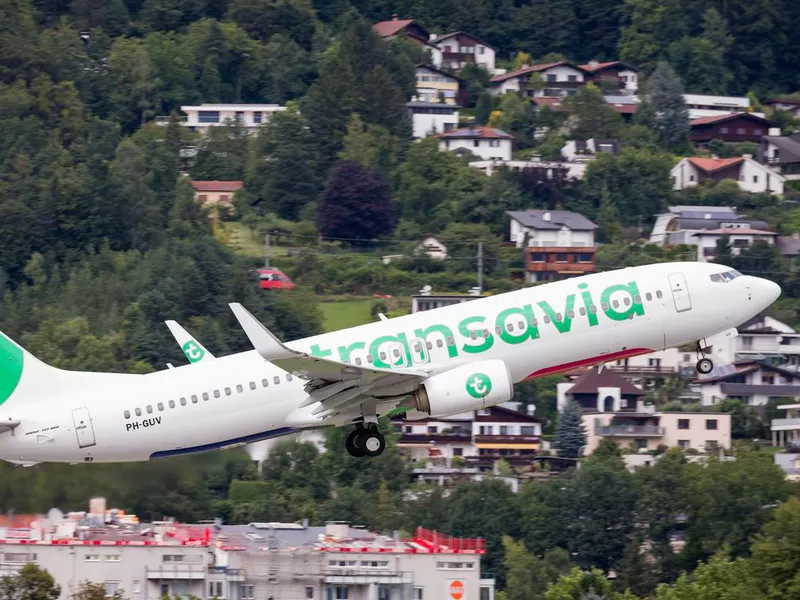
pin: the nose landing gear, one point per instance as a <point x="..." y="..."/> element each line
<point x="704" y="364"/>
<point x="365" y="441"/>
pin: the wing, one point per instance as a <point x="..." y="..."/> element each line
<point x="193" y="349"/>
<point x="334" y="388"/>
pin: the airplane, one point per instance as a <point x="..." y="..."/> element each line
<point x="433" y="363"/>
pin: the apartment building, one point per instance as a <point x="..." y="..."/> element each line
<point x="204" y="116"/>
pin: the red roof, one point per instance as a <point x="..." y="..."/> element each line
<point x="478" y="132"/>
<point x="714" y="164"/>
<point x="393" y="27"/>
<point x="625" y="109"/>
<point x="531" y="69"/>
<point x="720" y="118"/>
<point x="217" y="186"/>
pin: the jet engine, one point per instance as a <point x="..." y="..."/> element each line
<point x="468" y="387"/>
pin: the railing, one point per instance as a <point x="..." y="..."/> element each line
<point x="785" y="423"/>
<point x="177" y="571"/>
<point x="641" y="369"/>
<point x="439" y="542"/>
<point x="410" y="438"/>
<point x="628" y="430"/>
<point x="226" y="571"/>
<point x="507" y="439"/>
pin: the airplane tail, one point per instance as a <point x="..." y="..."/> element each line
<point x="22" y="375"/>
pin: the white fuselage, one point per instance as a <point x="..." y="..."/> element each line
<point x="139" y="417"/>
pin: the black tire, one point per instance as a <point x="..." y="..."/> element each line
<point x="373" y="443"/>
<point x="705" y="366"/>
<point x="354" y="444"/>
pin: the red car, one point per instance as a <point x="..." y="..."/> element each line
<point x="273" y="279"/>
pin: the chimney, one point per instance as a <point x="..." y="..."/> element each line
<point x="594" y="62"/>
<point x="394" y="17"/>
<point x="774" y="131"/>
<point x="547" y="216"/>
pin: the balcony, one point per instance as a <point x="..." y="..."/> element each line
<point x="228" y="574"/>
<point x="785" y="424"/>
<point x="643" y="369"/>
<point x="455" y="437"/>
<point x="498" y="441"/>
<point x="177" y="571"/>
<point x="367" y="576"/>
<point x="629" y="430"/>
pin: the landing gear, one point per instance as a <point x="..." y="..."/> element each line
<point x="365" y="441"/>
<point x="704" y="365"/>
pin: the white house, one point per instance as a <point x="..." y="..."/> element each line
<point x="201" y="118"/>
<point x="738" y="238"/>
<point x="614" y="72"/>
<point x="582" y="151"/>
<point x="753" y="382"/>
<point x="428" y="118"/>
<point x="574" y="170"/>
<point x="433" y="85"/>
<point x="557" y="79"/>
<point x="551" y="228"/>
<point x="460" y="48"/>
<point x="787" y="104"/>
<point x="431" y="246"/>
<point x="782" y="154"/>
<point x="750" y="175"/>
<point x="487" y="143"/>
<point x="701" y="105"/>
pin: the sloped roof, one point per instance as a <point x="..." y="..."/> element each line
<point x="217" y="186"/>
<point x="594" y="67"/>
<point x="722" y="118"/>
<point x="532" y="69"/>
<point x="558" y="219"/>
<point x="783" y="101"/>
<point x="439" y="71"/>
<point x="788" y="245"/>
<point x="595" y="378"/>
<point x="789" y="148"/>
<point x="390" y="28"/>
<point x="478" y="132"/>
<point x="447" y="36"/>
<point x="714" y="164"/>
<point x="735" y="231"/>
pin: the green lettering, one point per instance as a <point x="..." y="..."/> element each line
<point x="375" y="346"/>
<point x="445" y="332"/>
<point x="565" y="323"/>
<point x="587" y="303"/>
<point x="526" y="312"/>
<point x="481" y="343"/>
<point x="345" y="351"/>
<point x="635" y="308"/>
<point x="319" y="352"/>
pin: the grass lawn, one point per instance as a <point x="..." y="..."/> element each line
<point x="339" y="315"/>
<point x="242" y="241"/>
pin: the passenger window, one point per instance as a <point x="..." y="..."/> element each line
<point x="149" y="409"/>
<point x="194" y="399"/>
<point x="127" y="414"/>
<point x="227" y="391"/>
<point x="451" y="341"/>
<point x="217" y="394"/>
<point x="276" y="380"/>
<point x="183" y="401"/>
<point x="369" y="358"/>
<point x="417" y="347"/>
<point x="534" y="322"/>
<point x="498" y="330"/>
<point x="429" y="345"/>
<point x="172" y="403"/>
<point x="289" y="375"/>
<point x="486" y="333"/>
<point x="396" y="353"/>
<point x="521" y="324"/>
<point x="547" y="318"/>
<point x="510" y="327"/>
<point x="582" y="311"/>
<point x="265" y="383"/>
<point x="571" y="314"/>
<point x="439" y="343"/>
<point x="648" y="296"/>
<point x="558" y="317"/>
<point x="626" y="301"/>
<point x="593" y="309"/>
<point x="358" y="363"/>
<point x="604" y="305"/>
<point x="637" y="298"/>
<point x="615" y="303"/>
<point x="252" y="385"/>
<point x="382" y="355"/>
<point x="161" y="406"/>
<point x="659" y="295"/>
<point x="473" y="335"/>
<point x="138" y="412"/>
<point x="239" y="389"/>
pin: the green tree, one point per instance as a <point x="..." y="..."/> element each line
<point x="31" y="583"/>
<point x="653" y="25"/>
<point x="581" y="585"/>
<point x="723" y="253"/>
<point x="745" y="422"/>
<point x="135" y="94"/>
<point x="527" y="576"/>
<point x="483" y="108"/>
<point x="718" y="579"/>
<point x="95" y="591"/>
<point x="591" y="116"/>
<point x="665" y="91"/>
<point x="372" y="146"/>
<point x="774" y="564"/>
<point x="571" y="432"/>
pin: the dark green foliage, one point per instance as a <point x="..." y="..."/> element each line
<point x="665" y="91"/>
<point x="571" y="433"/>
<point x="31" y="583"/>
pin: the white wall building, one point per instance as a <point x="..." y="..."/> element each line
<point x="487" y="143"/>
<point x="750" y="176"/>
<point x="557" y="80"/>
<point x="574" y="170"/>
<point x="701" y="105"/>
<point x="201" y="118"/>
<point x="550" y="228"/>
<point x="583" y="151"/>
<point x="429" y="118"/>
<point x="459" y="48"/>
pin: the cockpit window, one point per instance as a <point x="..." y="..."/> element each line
<point x="726" y="276"/>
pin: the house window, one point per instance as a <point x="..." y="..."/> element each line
<point x="683" y="444"/>
<point x="552" y="78"/>
<point x="723" y="130"/>
<point x="757" y="132"/>
<point x="653" y="362"/>
<point x="740" y="130"/>
<point x="339" y="592"/>
<point x="768" y="379"/>
<point x="240" y="116"/>
<point x="711" y="423"/>
<point x="419" y="593"/>
<point x="494" y="143"/>
<point x="572" y="78"/>
<point x="683" y="423"/>
<point x="561" y="258"/>
<point x="309" y="592"/>
<point x="433" y="429"/>
<point x="481" y="50"/>
<point x="584" y="258"/>
<point x="257" y="116"/>
<point x="755" y="178"/>
<point x="476" y="143"/>
<point x="503" y="429"/>
<point x="180" y="588"/>
<point x="208" y="116"/>
<point x="527" y="430"/>
<point x="111" y="588"/>
<point x="623" y="403"/>
<point x="247" y="591"/>
<point x="458" y="452"/>
<point x="202" y="198"/>
<point x="640" y="443"/>
<point x="215" y="589"/>
<point x="224" y="198"/>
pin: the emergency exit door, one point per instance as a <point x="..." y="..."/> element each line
<point x="83" y="427"/>
<point x="680" y="292"/>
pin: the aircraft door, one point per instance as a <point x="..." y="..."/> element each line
<point x="83" y="427"/>
<point x="680" y="292"/>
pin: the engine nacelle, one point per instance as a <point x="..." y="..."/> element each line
<point x="468" y="387"/>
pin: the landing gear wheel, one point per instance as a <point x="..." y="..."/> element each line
<point x="373" y="442"/>
<point x="354" y="444"/>
<point x="705" y="366"/>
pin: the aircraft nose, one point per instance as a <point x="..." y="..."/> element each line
<point x="765" y="291"/>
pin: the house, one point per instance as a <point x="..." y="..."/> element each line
<point x="586" y="150"/>
<point x="425" y="300"/>
<point x="789" y="245"/>
<point x="781" y="154"/>
<point x="625" y="106"/>
<point x="688" y="224"/>
<point x="201" y="118"/>
<point x="733" y="128"/>
<point x="435" y="85"/>
<point x="481" y="437"/>
<point x="786" y="430"/>
<point x="787" y="104"/>
<point x="616" y="74"/>
<point x="410" y="30"/>
<point x="428" y="118"/>
<point x="701" y="105"/>
<point x="613" y="409"/>
<point x="553" y="80"/>
<point x="431" y="246"/>
<point x="754" y="382"/>
<point x="214" y="193"/>
<point x="553" y="263"/>
<point x="551" y="228"/>
<point x="487" y="143"/>
<point x="572" y="170"/>
<point x="750" y="175"/>
<point x="460" y="48"/>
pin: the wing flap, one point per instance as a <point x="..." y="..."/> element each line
<point x="8" y="425"/>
